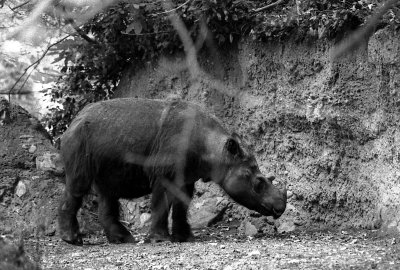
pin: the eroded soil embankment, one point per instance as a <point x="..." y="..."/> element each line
<point x="329" y="129"/>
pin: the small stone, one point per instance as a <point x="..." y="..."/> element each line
<point x="270" y="220"/>
<point x="32" y="149"/>
<point x="298" y="222"/>
<point x="51" y="231"/>
<point x="20" y="190"/>
<point x="287" y="226"/>
<point x="289" y="194"/>
<point x="143" y="204"/>
<point x="255" y="252"/>
<point x="25" y="137"/>
<point x="145" y="219"/>
<point x="247" y="228"/>
<point x="131" y="206"/>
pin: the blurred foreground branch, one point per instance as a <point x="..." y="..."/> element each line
<point x="32" y="19"/>
<point x="359" y="36"/>
<point x="90" y="8"/>
<point x="188" y="45"/>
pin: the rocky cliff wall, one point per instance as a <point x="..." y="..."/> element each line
<point x="329" y="129"/>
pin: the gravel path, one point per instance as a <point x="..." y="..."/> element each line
<point x="328" y="250"/>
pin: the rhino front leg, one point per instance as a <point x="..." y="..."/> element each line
<point x="181" y="231"/>
<point x="109" y="218"/>
<point x="160" y="205"/>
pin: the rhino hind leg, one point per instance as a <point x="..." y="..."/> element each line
<point x="109" y="218"/>
<point x="181" y="231"/>
<point x="67" y="221"/>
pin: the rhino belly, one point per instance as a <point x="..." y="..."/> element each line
<point x="123" y="181"/>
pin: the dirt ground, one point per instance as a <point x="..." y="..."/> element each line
<point x="220" y="248"/>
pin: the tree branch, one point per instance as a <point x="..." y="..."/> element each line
<point x="35" y="64"/>
<point x="80" y="31"/>
<point x="268" y="6"/>
<point x="147" y="34"/>
<point x="171" y="10"/>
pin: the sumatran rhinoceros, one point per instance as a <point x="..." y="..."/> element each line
<point x="127" y="148"/>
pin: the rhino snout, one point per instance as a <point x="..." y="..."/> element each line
<point x="280" y="205"/>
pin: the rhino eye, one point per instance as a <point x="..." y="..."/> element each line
<point x="247" y="173"/>
<point x="259" y="185"/>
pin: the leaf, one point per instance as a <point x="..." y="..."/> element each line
<point x="135" y="26"/>
<point x="58" y="58"/>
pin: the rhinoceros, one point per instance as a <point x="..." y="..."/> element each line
<point x="130" y="147"/>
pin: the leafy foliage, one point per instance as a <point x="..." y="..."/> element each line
<point x="132" y="34"/>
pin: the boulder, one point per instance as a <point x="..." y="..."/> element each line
<point x="50" y="162"/>
<point x="207" y="210"/>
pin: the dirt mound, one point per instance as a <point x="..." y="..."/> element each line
<point x="28" y="196"/>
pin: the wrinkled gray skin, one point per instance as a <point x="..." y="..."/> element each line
<point x="127" y="148"/>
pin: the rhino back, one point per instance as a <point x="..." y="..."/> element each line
<point x="113" y="127"/>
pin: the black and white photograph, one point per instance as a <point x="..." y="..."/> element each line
<point x="199" y="134"/>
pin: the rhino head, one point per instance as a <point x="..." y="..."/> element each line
<point x="243" y="181"/>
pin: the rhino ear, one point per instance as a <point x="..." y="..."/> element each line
<point x="233" y="148"/>
<point x="236" y="136"/>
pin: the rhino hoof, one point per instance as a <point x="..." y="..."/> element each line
<point x="156" y="238"/>
<point x="121" y="239"/>
<point x="74" y="239"/>
<point x="188" y="237"/>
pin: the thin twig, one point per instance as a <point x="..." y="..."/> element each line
<point x="26" y="79"/>
<point x="268" y="6"/>
<point x="36" y="64"/>
<point x="171" y="10"/>
<point x="355" y="39"/>
<point x="147" y="34"/>
<point x="81" y="32"/>
<point x="20" y="5"/>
